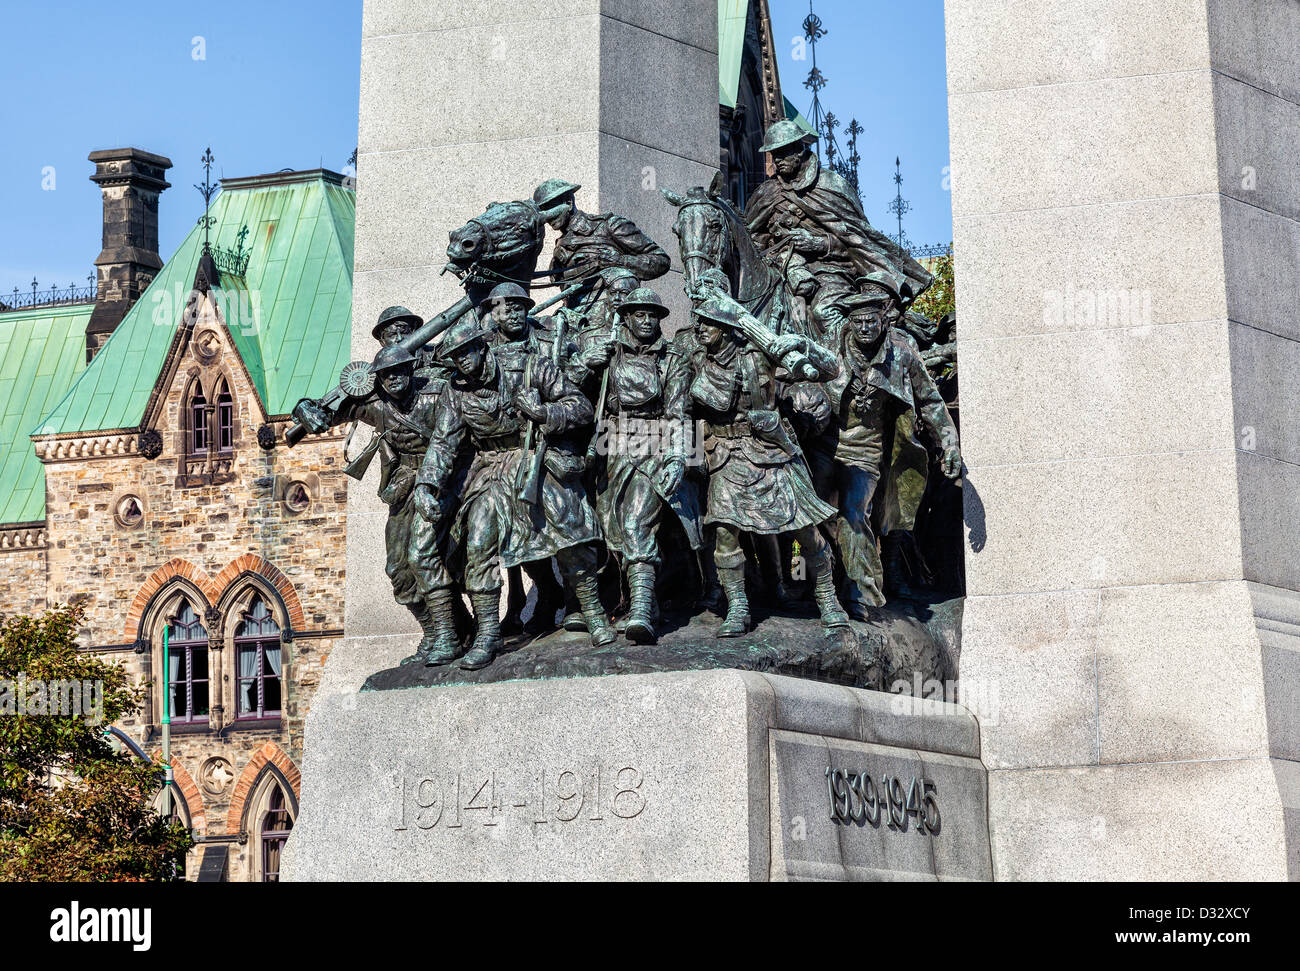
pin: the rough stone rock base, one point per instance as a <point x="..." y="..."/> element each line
<point x="907" y="640"/>
<point x="701" y="775"/>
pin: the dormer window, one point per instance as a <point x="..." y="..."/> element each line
<point x="209" y="430"/>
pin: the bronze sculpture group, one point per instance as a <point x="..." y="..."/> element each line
<point x="788" y="412"/>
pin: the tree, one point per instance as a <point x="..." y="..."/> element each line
<point x="940" y="299"/>
<point x="70" y="807"/>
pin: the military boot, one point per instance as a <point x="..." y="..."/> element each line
<point x="445" y="645"/>
<point x="640" y="626"/>
<point x="738" y="620"/>
<point x="428" y="626"/>
<point x="833" y="615"/>
<point x="487" y="642"/>
<point x="587" y="590"/>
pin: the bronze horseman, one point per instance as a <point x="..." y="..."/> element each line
<point x="758" y="479"/>
<point x="810" y="222"/>
<point x="491" y="402"/>
<point x="882" y="380"/>
<point x="646" y="440"/>
<point x="589" y="242"/>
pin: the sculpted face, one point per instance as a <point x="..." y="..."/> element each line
<point x="394" y="333"/>
<point x="561" y="221"/>
<point x="396" y="381"/>
<point x="511" y="317"/>
<point x="468" y="360"/>
<point x="789" y="159"/>
<point x="644" y="325"/>
<point x="620" y="288"/>
<point x="709" y="333"/>
<point x="868" y="325"/>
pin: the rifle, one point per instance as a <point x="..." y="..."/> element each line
<point x="604" y="392"/>
<point x="530" y="490"/>
<point x="357" y="380"/>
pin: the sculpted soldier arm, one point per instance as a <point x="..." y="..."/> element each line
<point x="553" y="400"/>
<point x="445" y="441"/>
<point x="932" y="413"/>
<point x="642" y="255"/>
<point x="823" y="361"/>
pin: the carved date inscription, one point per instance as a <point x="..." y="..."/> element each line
<point x="452" y="800"/>
<point x="857" y="799"/>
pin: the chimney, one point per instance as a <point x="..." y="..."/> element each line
<point x="130" y="181"/>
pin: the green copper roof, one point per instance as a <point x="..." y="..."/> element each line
<point x="290" y="315"/>
<point x="41" y="353"/>
<point x="732" y="15"/>
<point x="793" y="113"/>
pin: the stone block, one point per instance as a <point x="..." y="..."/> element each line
<point x="1257" y="132"/>
<point x="1261" y="259"/>
<point x="651" y="777"/>
<point x="1029" y="672"/>
<point x="1112" y="140"/>
<point x="1266" y="395"/>
<point x="1082" y="387"/>
<point x="1254" y="41"/>
<point x="996" y="44"/>
<point x="1102" y="523"/>
<point x="1178" y="674"/>
<point x="1161" y="258"/>
<point x="1185" y="821"/>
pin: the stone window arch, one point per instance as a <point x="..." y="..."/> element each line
<point x="181" y="610"/>
<point x="258" y="634"/>
<point x="209" y="427"/>
<point x="271" y="811"/>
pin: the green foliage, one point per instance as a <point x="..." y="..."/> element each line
<point x="941" y="297"/>
<point x="71" y="808"/>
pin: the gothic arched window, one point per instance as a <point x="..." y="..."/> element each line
<point x="258" y="690"/>
<point x="225" y="418"/>
<point x="197" y="416"/>
<point x="273" y="830"/>
<point x="187" y="667"/>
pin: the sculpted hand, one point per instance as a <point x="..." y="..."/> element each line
<point x="598" y="354"/>
<point x="812" y="244"/>
<point x="529" y="402"/>
<point x="951" y="462"/>
<point x="670" y="477"/>
<point x="426" y="503"/>
<point x="311" y="416"/>
<point x="787" y="343"/>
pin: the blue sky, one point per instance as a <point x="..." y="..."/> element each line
<point x="277" y="84"/>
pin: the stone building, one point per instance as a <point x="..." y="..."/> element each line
<point x="133" y="476"/>
<point x="145" y="494"/>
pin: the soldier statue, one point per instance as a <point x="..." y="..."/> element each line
<point x="809" y="221"/>
<point x="590" y="243"/>
<point x="514" y="336"/>
<point x="880" y="397"/>
<point x="645" y="436"/>
<point x="401" y="412"/>
<point x="491" y="402"/>
<point x="758" y="479"/>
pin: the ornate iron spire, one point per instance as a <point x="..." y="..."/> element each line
<point x="207" y="190"/>
<point x="900" y="206"/>
<point x="823" y="124"/>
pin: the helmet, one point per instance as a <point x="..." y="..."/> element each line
<point x="552" y="190"/>
<point x="393" y="315"/>
<point x="391" y="357"/>
<point x="786" y="132"/>
<point x="461" y="334"/>
<point x="717" y="311"/>
<point x="509" y="291"/>
<point x="880" y="280"/>
<point x="643" y="298"/>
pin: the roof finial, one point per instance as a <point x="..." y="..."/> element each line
<point x="207" y="189"/>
